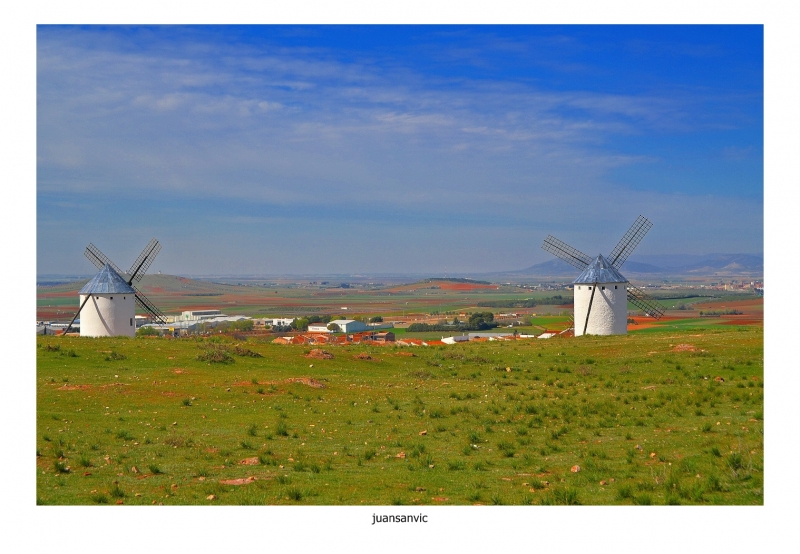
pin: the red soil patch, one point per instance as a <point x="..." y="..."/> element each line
<point x="647" y="322"/>
<point x="250" y="461"/>
<point x="58" y="294"/>
<point x="742" y="322"/>
<point x="466" y="286"/>
<point x="409" y="354"/>
<point x="365" y="356"/>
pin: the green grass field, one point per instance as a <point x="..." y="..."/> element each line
<point x="667" y="416"/>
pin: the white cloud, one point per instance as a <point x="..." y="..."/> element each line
<point x="295" y="129"/>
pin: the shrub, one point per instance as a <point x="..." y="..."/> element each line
<point x="246" y="352"/>
<point x="215" y="354"/>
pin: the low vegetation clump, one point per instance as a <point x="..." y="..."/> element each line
<point x="245" y="352"/>
<point x="215" y="354"/>
<point x="652" y="418"/>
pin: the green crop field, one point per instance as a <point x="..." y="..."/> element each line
<point x="671" y="416"/>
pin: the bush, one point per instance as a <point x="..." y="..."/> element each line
<point x="215" y="354"/>
<point x="239" y="351"/>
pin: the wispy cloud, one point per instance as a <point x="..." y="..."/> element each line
<point x="296" y="127"/>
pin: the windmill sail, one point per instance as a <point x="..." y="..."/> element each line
<point x="142" y="263"/>
<point x="629" y="241"/>
<point x="145" y="303"/>
<point x="137" y="270"/>
<point x="564" y="251"/>
<point x="645" y="302"/>
<point x="99" y="259"/>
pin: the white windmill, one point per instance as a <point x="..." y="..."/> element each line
<point x="601" y="292"/>
<point x="112" y="298"/>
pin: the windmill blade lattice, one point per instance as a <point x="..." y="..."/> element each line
<point x="565" y="252"/>
<point x="142" y="263"/>
<point x="137" y="270"/>
<point x="99" y="259"/>
<point x="645" y="302"/>
<point x="149" y="307"/>
<point x="629" y="241"/>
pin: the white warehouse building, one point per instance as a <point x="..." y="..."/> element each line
<point x="345" y="325"/>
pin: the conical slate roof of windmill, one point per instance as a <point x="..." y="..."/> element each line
<point x="107" y="281"/>
<point x="600" y="271"/>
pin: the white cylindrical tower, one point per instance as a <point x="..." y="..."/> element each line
<point x="600" y="294"/>
<point x="111" y="307"/>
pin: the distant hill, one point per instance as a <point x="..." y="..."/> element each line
<point x="707" y="262"/>
<point x="660" y="265"/>
<point x="648" y="265"/>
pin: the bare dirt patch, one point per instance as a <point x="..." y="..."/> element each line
<point x="684" y="348"/>
<point x="75" y="387"/>
<point x="313" y="383"/>
<point x="320" y="354"/>
<point x="243" y="481"/>
<point x="365" y="356"/>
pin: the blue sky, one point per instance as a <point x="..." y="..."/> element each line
<point x="344" y="149"/>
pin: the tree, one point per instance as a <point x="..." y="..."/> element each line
<point x="482" y="320"/>
<point x="242" y="325"/>
<point x="376" y="319"/>
<point x="334" y="327"/>
<point x="147" y="332"/>
<point x="300" y="324"/>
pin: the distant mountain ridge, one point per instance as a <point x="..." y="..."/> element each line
<point x="668" y="264"/>
<point x="649" y="265"/>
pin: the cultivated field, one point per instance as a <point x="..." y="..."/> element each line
<point x="671" y="414"/>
